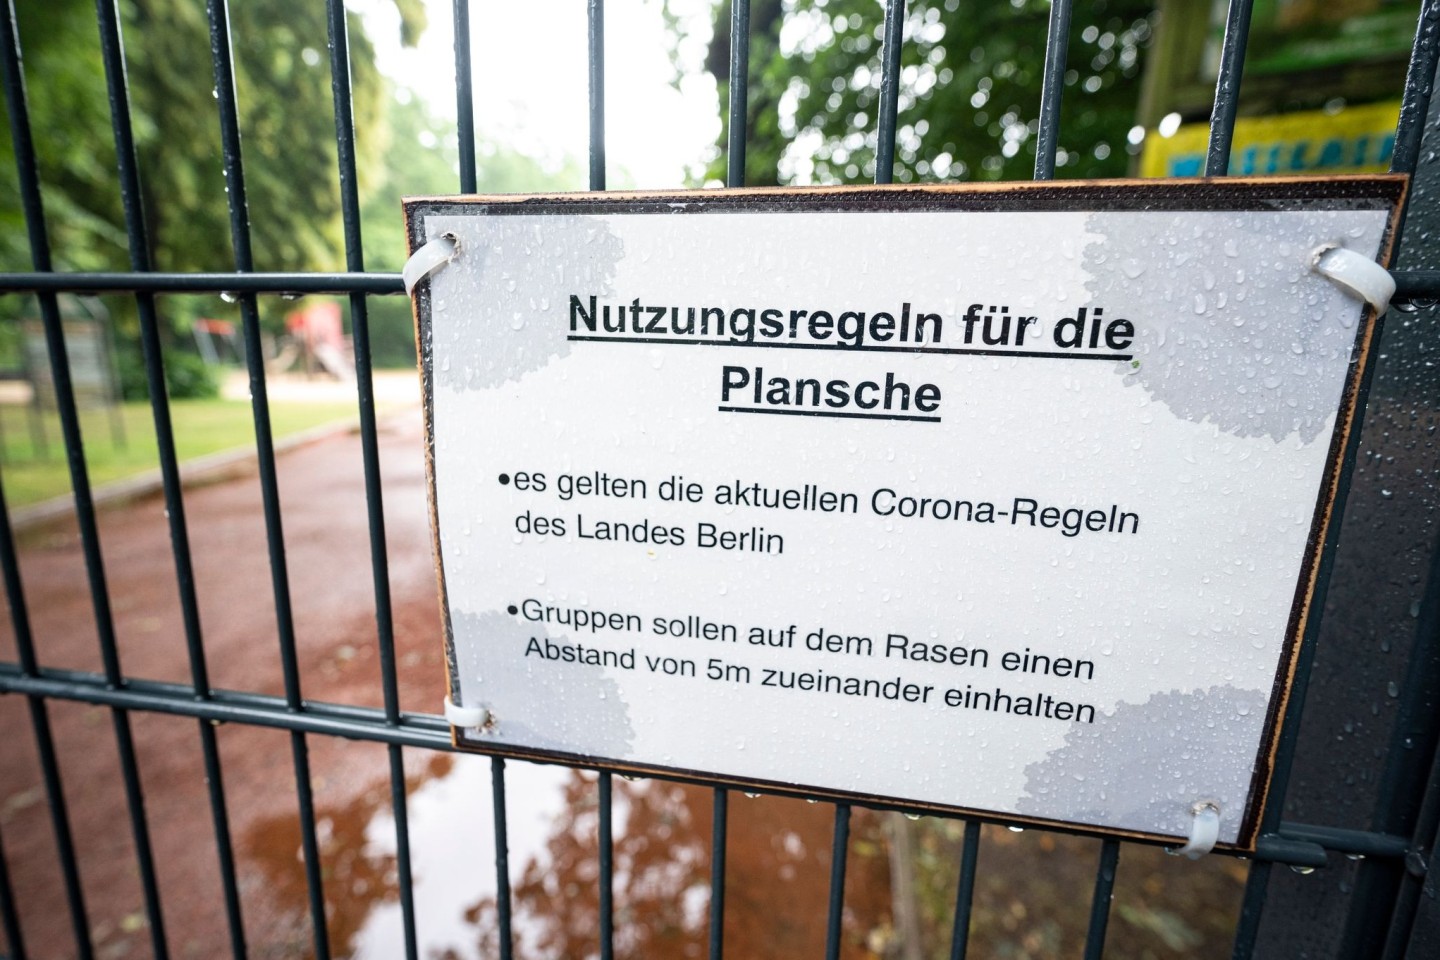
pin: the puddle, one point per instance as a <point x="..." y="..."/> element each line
<point x="452" y="855"/>
<point x="1032" y="894"/>
<point x="777" y="882"/>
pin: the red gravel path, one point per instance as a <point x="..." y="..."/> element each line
<point x="327" y="544"/>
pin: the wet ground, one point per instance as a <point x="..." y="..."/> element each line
<point x="1032" y="899"/>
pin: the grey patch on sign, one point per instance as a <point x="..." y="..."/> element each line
<point x="1231" y="326"/>
<point x="1144" y="765"/>
<point x="544" y="704"/>
<point x="507" y="312"/>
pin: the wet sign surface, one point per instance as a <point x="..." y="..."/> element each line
<point x="1000" y="499"/>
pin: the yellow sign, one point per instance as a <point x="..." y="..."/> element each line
<point x="1354" y="140"/>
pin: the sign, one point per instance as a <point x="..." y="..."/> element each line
<point x="1352" y="140"/>
<point x="999" y="498"/>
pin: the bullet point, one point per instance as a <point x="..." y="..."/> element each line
<point x="513" y="609"/>
<point x="504" y="478"/>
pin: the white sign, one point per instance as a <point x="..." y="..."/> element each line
<point x="1002" y="500"/>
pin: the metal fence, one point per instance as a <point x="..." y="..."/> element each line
<point x="1383" y="906"/>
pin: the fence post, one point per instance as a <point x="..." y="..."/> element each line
<point x="1369" y="731"/>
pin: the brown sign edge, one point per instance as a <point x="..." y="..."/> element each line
<point x="1324" y="530"/>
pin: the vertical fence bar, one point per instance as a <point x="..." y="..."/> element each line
<point x="464" y="97"/>
<point x="465" y="107"/>
<point x="14" y="938"/>
<point x="15" y="103"/>
<point x="113" y="52"/>
<point x="60" y="822"/>
<point x="739" y="93"/>
<point x="1407" y="797"/>
<point x="1399" y="940"/>
<point x="1227" y="88"/>
<point x="341" y="90"/>
<point x="719" y="828"/>
<point x="69" y="420"/>
<point x="1100" y="901"/>
<point x="220" y="48"/>
<point x="31" y="201"/>
<point x="839" y="852"/>
<point x="965" y="892"/>
<point x="465" y="127"/>
<point x="502" y="856"/>
<point x="607" y="869"/>
<point x="309" y="844"/>
<point x="734" y="177"/>
<point x="596" y="15"/>
<point x="889" y="91"/>
<point x="404" y="875"/>
<point x="1257" y="883"/>
<point x="224" y="847"/>
<point x="1217" y="164"/>
<point x="1415" y="102"/>
<point x="1419" y="80"/>
<point x="222" y="60"/>
<point x="1052" y="86"/>
<point x="140" y="830"/>
<point x="45" y="743"/>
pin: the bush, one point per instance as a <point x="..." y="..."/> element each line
<point x="187" y="377"/>
<point x="392" y="333"/>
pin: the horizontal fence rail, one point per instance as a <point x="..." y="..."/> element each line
<point x="1410" y="285"/>
<point x="1295" y="844"/>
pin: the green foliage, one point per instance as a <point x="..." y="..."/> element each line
<point x="969" y="98"/>
<point x="421" y="159"/>
<point x="66" y="94"/>
<point x="187" y="377"/>
<point x="392" y="333"/>
<point x="282" y="80"/>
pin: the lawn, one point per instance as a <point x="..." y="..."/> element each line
<point x="32" y="456"/>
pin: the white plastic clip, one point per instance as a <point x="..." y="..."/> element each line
<point x="477" y="717"/>
<point x="1204" y="830"/>
<point x="1355" y="274"/>
<point x="430" y="257"/>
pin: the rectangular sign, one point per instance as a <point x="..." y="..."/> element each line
<point x="999" y="499"/>
<point x="1354" y="140"/>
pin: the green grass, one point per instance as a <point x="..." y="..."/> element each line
<point x="201" y="427"/>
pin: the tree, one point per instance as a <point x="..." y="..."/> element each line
<point x="421" y="159"/>
<point x="78" y="172"/>
<point x="969" y="98"/>
<point x="282" y="79"/>
<point x="287" y="126"/>
<point x="282" y="76"/>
